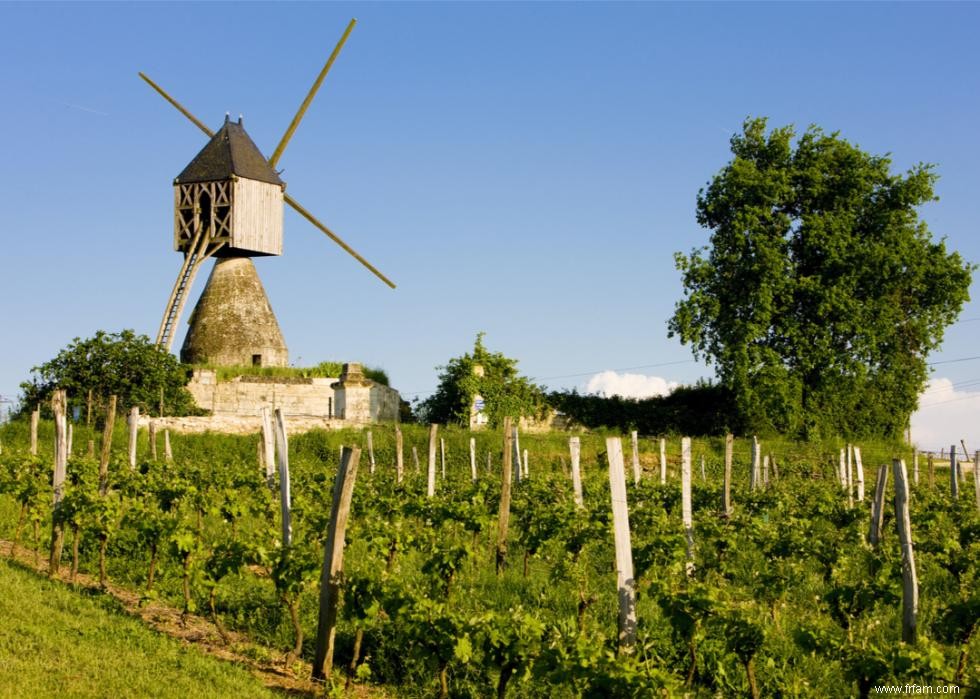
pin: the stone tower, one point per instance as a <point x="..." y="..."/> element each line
<point x="233" y="323"/>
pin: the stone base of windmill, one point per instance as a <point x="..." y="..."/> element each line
<point x="236" y="405"/>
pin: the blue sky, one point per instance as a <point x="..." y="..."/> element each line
<point x="523" y="169"/>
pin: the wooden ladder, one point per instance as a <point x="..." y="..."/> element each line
<point x="178" y="296"/>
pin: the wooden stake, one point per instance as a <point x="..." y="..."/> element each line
<point x="110" y="421"/>
<point x="727" y="500"/>
<point x="625" y="584"/>
<point x="859" y="468"/>
<point x="399" y="456"/>
<point x="756" y="472"/>
<point x="90" y="449"/>
<point x="333" y="563"/>
<point x="473" y="458"/>
<point x="269" y="446"/>
<point x="152" y="436"/>
<point x="686" y="514"/>
<point x="704" y="477"/>
<point x="282" y="447"/>
<point x="58" y="405"/>
<point x="503" y="518"/>
<point x="663" y="461"/>
<point x="910" y="583"/>
<point x="850" y="476"/>
<point x="954" y="481"/>
<point x="442" y="456"/>
<point x="35" y="418"/>
<point x="634" y="442"/>
<point x="976" y="476"/>
<point x="415" y="458"/>
<point x="431" y="483"/>
<point x="517" y="453"/>
<point x="878" y="507"/>
<point x="370" y="446"/>
<point x="168" y="453"/>
<point x="527" y="472"/>
<point x="765" y="471"/>
<point x="134" y="418"/>
<point x="575" y="450"/>
<point x="71" y="438"/>
<point x="915" y="467"/>
<point x="931" y="466"/>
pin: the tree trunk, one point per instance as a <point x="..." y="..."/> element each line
<point x="214" y="615"/>
<point x="750" y="671"/>
<point x="293" y="606"/>
<point x="443" y="682"/>
<point x="506" y="672"/>
<point x="352" y="668"/>
<point x="74" y="552"/>
<point x="187" y="584"/>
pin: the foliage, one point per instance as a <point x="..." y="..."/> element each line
<point x="323" y="370"/>
<point x="504" y="392"/>
<point x="704" y="408"/>
<point x="821" y="292"/>
<point x="124" y="363"/>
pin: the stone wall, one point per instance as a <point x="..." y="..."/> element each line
<point x="353" y="400"/>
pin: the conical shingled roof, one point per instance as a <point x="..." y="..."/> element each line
<point x="229" y="152"/>
<point x="233" y="323"/>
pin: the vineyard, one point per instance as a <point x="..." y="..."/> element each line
<point x="783" y="595"/>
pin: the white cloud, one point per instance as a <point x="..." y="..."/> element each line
<point x="611" y="383"/>
<point x="945" y="416"/>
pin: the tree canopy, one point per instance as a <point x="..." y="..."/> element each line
<point x="821" y="291"/>
<point x="504" y="391"/>
<point x="124" y="363"/>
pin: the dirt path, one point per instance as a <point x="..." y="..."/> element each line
<point x="194" y="630"/>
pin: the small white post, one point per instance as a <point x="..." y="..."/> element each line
<point x="399" y="456"/>
<point x="910" y="583"/>
<point x="442" y="456"/>
<point x="850" y="476"/>
<point x="527" y="472"/>
<point x="269" y="447"/>
<point x="915" y="466"/>
<point x="282" y="447"/>
<point x="517" y="454"/>
<point x="634" y="441"/>
<point x="134" y="423"/>
<point x="686" y="514"/>
<point x="842" y="469"/>
<point x="878" y="507"/>
<point x="976" y="476"/>
<point x="954" y="481"/>
<point x="430" y="488"/>
<point x="370" y="446"/>
<point x="415" y="458"/>
<point x="859" y="468"/>
<point x="35" y="419"/>
<point x="756" y="465"/>
<point x="663" y="461"/>
<point x="765" y="471"/>
<point x="168" y="453"/>
<point x="704" y="477"/>
<point x="473" y="458"/>
<point x="71" y="437"/>
<point x="727" y="500"/>
<point x="575" y="449"/>
<point x="625" y="584"/>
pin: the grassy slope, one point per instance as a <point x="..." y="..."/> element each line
<point x="55" y="642"/>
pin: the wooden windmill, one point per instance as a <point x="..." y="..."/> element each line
<point x="228" y="204"/>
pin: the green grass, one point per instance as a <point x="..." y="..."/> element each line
<point x="57" y="642"/>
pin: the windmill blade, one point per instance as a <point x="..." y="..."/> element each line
<point x="178" y="105"/>
<point x="277" y="153"/>
<point x="333" y="236"/>
<point x="288" y="199"/>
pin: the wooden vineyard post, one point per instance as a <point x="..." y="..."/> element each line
<point x="527" y="472"/>
<point x="842" y="470"/>
<point x="442" y="456"/>
<point x="878" y="507"/>
<point x="954" y="481"/>
<point x="282" y="447"/>
<point x="575" y="451"/>
<point x="507" y="474"/>
<point x="625" y="584"/>
<point x="686" y="514"/>
<point x="35" y="418"/>
<point x="663" y="461"/>
<point x="859" y="473"/>
<point x="58" y="402"/>
<point x="704" y="477"/>
<point x="151" y="432"/>
<point x="415" y="458"/>
<point x="756" y="465"/>
<point x="727" y="500"/>
<point x="910" y="584"/>
<point x="370" y="446"/>
<point x="430" y="488"/>
<point x="269" y="447"/>
<point x="399" y="455"/>
<point x="931" y="467"/>
<point x="634" y="443"/>
<point x="915" y="466"/>
<point x="516" y="441"/>
<point x="473" y="458"/>
<point x="333" y="563"/>
<point x="976" y="476"/>
<point x="849" y="450"/>
<point x="134" y="422"/>
<point x="90" y="449"/>
<point x="71" y="437"/>
<point x="110" y="421"/>
<point x="765" y="471"/>
<point x="168" y="453"/>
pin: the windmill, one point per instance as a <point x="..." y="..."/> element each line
<point x="228" y="204"/>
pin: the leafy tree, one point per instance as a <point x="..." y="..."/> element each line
<point x="124" y="363"/>
<point x="821" y="292"/>
<point x="504" y="391"/>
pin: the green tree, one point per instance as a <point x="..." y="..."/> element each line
<point x="504" y="391"/>
<point x="124" y="363"/>
<point x="821" y="292"/>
